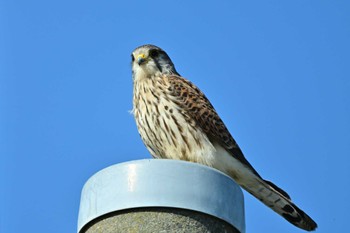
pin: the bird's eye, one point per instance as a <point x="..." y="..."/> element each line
<point x="132" y="57"/>
<point x="153" y="53"/>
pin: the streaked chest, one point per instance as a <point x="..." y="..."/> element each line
<point x="165" y="127"/>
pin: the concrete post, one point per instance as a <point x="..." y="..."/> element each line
<point x="159" y="195"/>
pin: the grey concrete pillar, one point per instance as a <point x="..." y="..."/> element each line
<point x="158" y="195"/>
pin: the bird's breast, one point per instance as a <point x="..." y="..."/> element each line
<point x="165" y="128"/>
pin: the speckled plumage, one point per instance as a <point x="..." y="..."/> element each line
<point x="176" y="121"/>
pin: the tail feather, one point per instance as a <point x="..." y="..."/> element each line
<point x="279" y="201"/>
<point x="278" y="189"/>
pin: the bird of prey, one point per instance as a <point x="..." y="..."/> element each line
<point x="176" y="121"/>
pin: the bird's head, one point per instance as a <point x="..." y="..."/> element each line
<point x="149" y="61"/>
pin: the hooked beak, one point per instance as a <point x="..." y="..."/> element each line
<point x="141" y="59"/>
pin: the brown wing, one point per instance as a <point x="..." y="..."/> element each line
<point x="196" y="104"/>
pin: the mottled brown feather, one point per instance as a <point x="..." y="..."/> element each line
<point x="197" y="105"/>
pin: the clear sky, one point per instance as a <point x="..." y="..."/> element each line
<point x="277" y="72"/>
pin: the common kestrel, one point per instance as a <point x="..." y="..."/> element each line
<point x="176" y="121"/>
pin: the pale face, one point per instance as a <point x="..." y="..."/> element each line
<point x="149" y="61"/>
<point x="143" y="64"/>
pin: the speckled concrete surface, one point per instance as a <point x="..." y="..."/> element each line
<point x="159" y="220"/>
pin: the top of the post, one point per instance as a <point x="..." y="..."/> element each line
<point x="162" y="183"/>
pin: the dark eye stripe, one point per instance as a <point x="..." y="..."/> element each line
<point x="153" y="53"/>
<point x="132" y="57"/>
<point x="158" y="65"/>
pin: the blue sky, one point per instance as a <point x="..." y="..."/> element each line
<point x="276" y="71"/>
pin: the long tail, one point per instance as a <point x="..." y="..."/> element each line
<point x="280" y="202"/>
